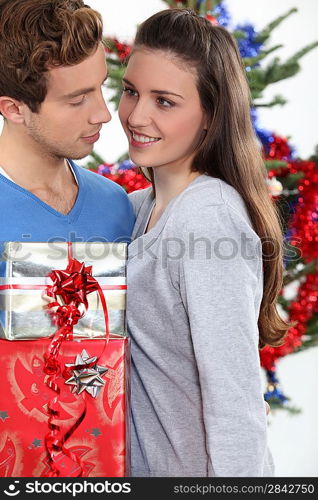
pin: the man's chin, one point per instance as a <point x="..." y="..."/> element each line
<point x="77" y="155"/>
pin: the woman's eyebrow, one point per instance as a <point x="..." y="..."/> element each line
<point x="155" y="91"/>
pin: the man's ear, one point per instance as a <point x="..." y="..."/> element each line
<point x="12" y="109"/>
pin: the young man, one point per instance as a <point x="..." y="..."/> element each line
<point x="52" y="69"/>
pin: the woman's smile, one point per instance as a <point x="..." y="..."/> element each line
<point x="140" y="140"/>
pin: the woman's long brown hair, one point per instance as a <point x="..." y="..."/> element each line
<point x="230" y="150"/>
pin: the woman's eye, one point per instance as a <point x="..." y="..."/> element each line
<point x="129" y="92"/>
<point x="164" y="102"/>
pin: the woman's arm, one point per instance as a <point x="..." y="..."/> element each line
<point x="221" y="285"/>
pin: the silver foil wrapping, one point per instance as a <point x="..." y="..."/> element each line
<point x="24" y="270"/>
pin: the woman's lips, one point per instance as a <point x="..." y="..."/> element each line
<point x="139" y="144"/>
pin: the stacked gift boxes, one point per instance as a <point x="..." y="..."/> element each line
<point x="89" y="393"/>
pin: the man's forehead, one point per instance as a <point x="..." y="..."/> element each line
<point x="66" y="80"/>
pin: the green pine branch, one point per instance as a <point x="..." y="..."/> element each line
<point x="95" y="161"/>
<point x="285" y="303"/>
<point x="309" y="268"/>
<point x="277" y="71"/>
<point x="170" y="3"/>
<point x="314" y="156"/>
<point x="203" y="8"/>
<point x="302" y="52"/>
<point x="239" y="34"/>
<point x="277" y="100"/>
<point x="114" y="82"/>
<point x="276" y="404"/>
<point x="111" y="61"/>
<point x="293" y="263"/>
<point x="260" y="78"/>
<point x="191" y="4"/>
<point x="291" y="181"/>
<point x="266" y="32"/>
<point x="311" y="337"/>
<point x="275" y="164"/>
<point x="251" y="61"/>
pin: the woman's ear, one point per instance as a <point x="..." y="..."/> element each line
<point x="205" y="122"/>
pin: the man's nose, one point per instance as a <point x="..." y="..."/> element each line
<point x="101" y="113"/>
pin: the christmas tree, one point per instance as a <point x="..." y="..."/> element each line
<point x="292" y="182"/>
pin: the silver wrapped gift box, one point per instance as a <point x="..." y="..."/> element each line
<point x="24" y="270"/>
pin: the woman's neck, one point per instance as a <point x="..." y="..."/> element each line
<point x="169" y="184"/>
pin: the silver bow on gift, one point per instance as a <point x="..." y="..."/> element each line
<point x="86" y="379"/>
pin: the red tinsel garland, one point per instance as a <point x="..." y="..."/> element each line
<point x="279" y="148"/>
<point x="300" y="310"/>
<point x="304" y="230"/>
<point x="122" y="50"/>
<point x="304" y="221"/>
<point x="131" y="179"/>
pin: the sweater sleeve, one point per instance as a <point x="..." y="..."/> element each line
<point x="137" y="198"/>
<point x="221" y="287"/>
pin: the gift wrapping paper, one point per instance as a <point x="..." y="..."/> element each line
<point x="24" y="270"/>
<point x="101" y="441"/>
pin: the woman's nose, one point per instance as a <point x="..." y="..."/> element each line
<point x="139" y="116"/>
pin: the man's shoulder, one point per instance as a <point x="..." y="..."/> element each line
<point x="98" y="182"/>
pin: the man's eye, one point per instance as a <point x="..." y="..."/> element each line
<point x="78" y="103"/>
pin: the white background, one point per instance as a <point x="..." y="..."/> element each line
<point x="293" y="439"/>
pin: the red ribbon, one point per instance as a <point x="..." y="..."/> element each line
<point x="71" y="286"/>
<point x="44" y="287"/>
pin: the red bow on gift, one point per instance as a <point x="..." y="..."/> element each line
<point x="73" y="284"/>
<point x="70" y="289"/>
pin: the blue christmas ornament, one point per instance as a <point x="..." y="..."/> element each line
<point x="274" y="392"/>
<point x="265" y="136"/>
<point x="271" y="377"/>
<point x="125" y="165"/>
<point x="222" y="14"/>
<point x="104" y="169"/>
<point x="248" y="46"/>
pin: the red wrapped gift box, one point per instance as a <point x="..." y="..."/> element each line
<point x="101" y="441"/>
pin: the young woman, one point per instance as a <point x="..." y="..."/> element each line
<point x="205" y="266"/>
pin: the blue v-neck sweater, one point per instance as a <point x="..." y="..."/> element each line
<point x="102" y="212"/>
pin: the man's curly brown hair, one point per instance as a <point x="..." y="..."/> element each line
<point x="36" y="35"/>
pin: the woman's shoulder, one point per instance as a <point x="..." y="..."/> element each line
<point x="211" y="195"/>
<point x="138" y="198"/>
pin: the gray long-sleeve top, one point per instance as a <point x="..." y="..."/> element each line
<point x="194" y="292"/>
